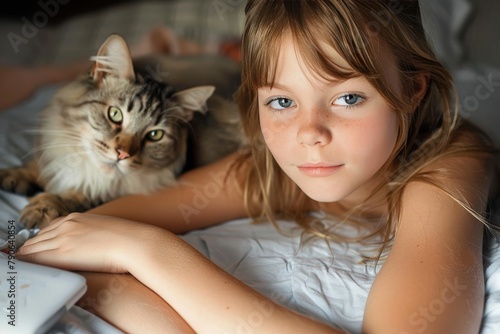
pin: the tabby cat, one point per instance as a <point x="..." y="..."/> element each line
<point x="114" y="131"/>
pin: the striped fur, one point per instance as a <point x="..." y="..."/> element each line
<point x="100" y="138"/>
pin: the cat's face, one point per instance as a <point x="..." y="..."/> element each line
<point x="127" y="123"/>
<point x="130" y="126"/>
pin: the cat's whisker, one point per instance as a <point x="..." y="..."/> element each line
<point x="65" y="138"/>
<point x="68" y="134"/>
<point x="59" y="143"/>
<point x="45" y="147"/>
<point x="37" y="131"/>
<point x="62" y="134"/>
<point x="49" y="146"/>
<point x="179" y="120"/>
<point x="48" y="131"/>
<point x="72" y="155"/>
<point x="102" y="59"/>
<point x="109" y="64"/>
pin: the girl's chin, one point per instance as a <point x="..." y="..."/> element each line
<point x="323" y="197"/>
<point x="332" y="195"/>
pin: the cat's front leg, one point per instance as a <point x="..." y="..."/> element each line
<point x="21" y="180"/>
<point x="45" y="207"/>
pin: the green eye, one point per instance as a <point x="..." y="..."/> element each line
<point x="155" y="135"/>
<point x="115" y="115"/>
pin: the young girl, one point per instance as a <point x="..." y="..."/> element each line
<point x="348" y="113"/>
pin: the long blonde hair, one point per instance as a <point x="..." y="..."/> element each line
<point x="428" y="128"/>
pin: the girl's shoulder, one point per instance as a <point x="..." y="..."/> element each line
<point x="471" y="157"/>
<point x="458" y="182"/>
<point x="438" y="239"/>
<point x="468" y="164"/>
<point x="460" y="179"/>
<point x="471" y="140"/>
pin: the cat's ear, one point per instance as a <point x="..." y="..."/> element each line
<point x="194" y="99"/>
<point x="113" y="58"/>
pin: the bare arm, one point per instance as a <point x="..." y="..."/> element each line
<point x="19" y="82"/>
<point x="205" y="196"/>
<point x="199" y="293"/>
<point x="432" y="281"/>
<point x="129" y="305"/>
<point x="209" y="299"/>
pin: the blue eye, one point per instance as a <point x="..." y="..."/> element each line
<point x="281" y="103"/>
<point x="349" y="100"/>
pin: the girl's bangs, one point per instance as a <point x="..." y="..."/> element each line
<point x="312" y="34"/>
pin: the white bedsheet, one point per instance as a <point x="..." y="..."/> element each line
<point x="307" y="279"/>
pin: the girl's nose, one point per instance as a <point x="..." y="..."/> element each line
<point x="314" y="129"/>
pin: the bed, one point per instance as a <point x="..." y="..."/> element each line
<point x="266" y="260"/>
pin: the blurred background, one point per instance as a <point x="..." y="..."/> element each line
<point x="59" y="31"/>
<point x="197" y="19"/>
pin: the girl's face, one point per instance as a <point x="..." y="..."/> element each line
<point x="330" y="137"/>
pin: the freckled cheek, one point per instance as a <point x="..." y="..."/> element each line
<point x="373" y="140"/>
<point x="274" y="131"/>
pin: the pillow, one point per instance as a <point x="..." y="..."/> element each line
<point x="479" y="89"/>
<point x="204" y="22"/>
<point x="481" y="36"/>
<point x="444" y="21"/>
<point x="478" y="85"/>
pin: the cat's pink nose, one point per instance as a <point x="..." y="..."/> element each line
<point x="122" y="155"/>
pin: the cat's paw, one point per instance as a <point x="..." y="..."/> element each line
<point x="41" y="210"/>
<point x="17" y="181"/>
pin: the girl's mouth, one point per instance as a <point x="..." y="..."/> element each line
<point x="319" y="169"/>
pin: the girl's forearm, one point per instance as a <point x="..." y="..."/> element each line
<point x="129" y="305"/>
<point x="209" y="299"/>
<point x="47" y="75"/>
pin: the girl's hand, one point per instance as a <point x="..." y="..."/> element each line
<point x="87" y="242"/>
